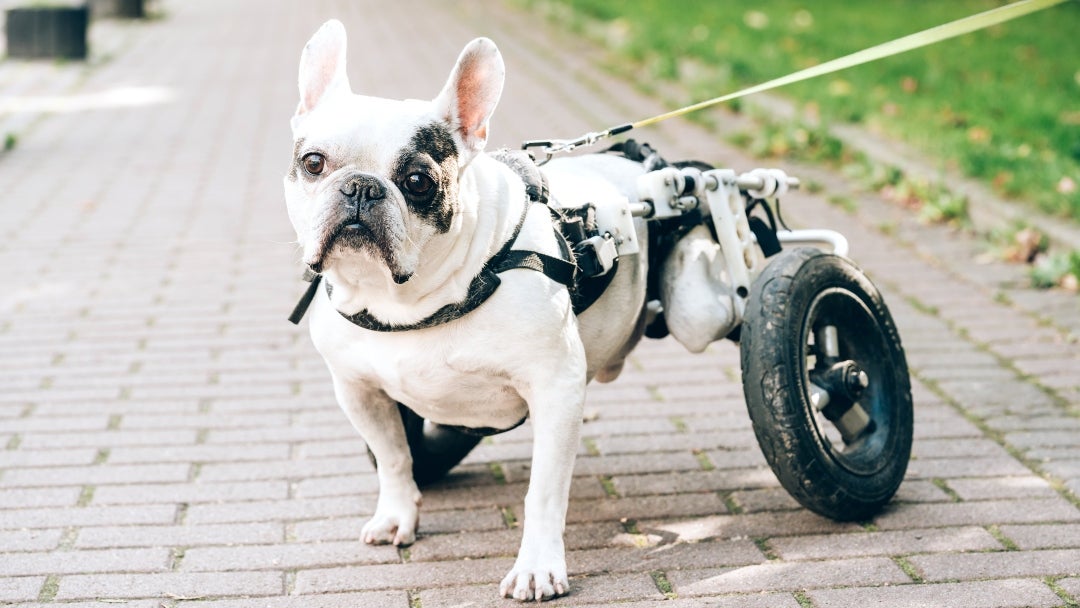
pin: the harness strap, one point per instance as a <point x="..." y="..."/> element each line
<point x="556" y="269"/>
<point x="301" y="307"/>
<point x="480" y="289"/>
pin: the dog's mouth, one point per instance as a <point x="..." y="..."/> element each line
<point x="350" y="233"/>
<point x="355" y="234"/>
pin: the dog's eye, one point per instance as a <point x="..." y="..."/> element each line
<point x="419" y="184"/>
<point x="314" y="163"/>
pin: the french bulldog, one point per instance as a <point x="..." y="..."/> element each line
<point x="399" y="208"/>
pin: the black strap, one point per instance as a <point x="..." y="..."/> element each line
<point x="305" y="300"/>
<point x="557" y="269"/>
<point x="480" y="289"/>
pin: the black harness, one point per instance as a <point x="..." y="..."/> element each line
<point x="562" y="270"/>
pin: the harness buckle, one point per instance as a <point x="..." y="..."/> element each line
<point x="596" y="256"/>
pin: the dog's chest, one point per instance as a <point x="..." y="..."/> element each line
<point x="445" y="377"/>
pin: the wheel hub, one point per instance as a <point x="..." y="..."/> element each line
<point x="836" y="387"/>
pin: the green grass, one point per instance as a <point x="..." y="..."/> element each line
<point x="1000" y="105"/>
<point x="1060" y="269"/>
<point x="662" y="584"/>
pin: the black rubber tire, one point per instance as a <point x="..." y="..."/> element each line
<point x="435" y="449"/>
<point x="798" y="289"/>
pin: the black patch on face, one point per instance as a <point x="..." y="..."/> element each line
<point x="431" y="151"/>
<point x="299" y="145"/>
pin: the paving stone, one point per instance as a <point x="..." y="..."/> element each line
<point x="181" y="536"/>
<point x="1018" y="593"/>
<point x="292" y="556"/>
<point x="1031" y="439"/>
<point x="192" y="585"/>
<point x="74" y="562"/>
<point x="284" y="469"/>
<point x="752" y="525"/>
<point x="331" y="528"/>
<point x="108" y="438"/>
<point x="1002" y="488"/>
<point x="56" y="517"/>
<point x="345" y="485"/>
<point x="695" y="481"/>
<point x="971" y="566"/>
<point x="29" y="540"/>
<point x="769" y="499"/>
<point x="401" y="576"/>
<point x="448" y="522"/>
<point x="46" y="458"/>
<point x="661" y="557"/>
<point x="599" y="589"/>
<point x="628" y="464"/>
<point x="704" y="440"/>
<point x="833" y="546"/>
<point x="199" y="453"/>
<point x="957" y="448"/>
<point x="1071" y="586"/>
<point x="289" y="434"/>
<point x="57" y="476"/>
<point x="977" y="513"/>
<point x="15" y="498"/>
<point x="1020" y="422"/>
<point x="21" y="588"/>
<point x="615" y="509"/>
<point x="791" y="576"/>
<point x="101" y="604"/>
<point x="1044" y="536"/>
<point x="505" y="543"/>
<point x="279" y="510"/>
<point x="375" y="599"/>
<point x="757" y="600"/>
<point x="193" y="492"/>
<point x="920" y="490"/>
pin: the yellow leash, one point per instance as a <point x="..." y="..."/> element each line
<point x="895" y="47"/>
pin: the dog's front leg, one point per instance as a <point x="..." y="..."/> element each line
<point x="556" y="409"/>
<point x="376" y="417"/>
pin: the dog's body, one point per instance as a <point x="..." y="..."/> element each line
<point x="398" y="207"/>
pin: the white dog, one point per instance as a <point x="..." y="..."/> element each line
<point x="398" y="207"/>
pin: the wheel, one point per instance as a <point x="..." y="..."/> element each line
<point x="826" y="384"/>
<point x="435" y="448"/>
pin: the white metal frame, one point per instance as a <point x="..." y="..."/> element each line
<point x="671" y="192"/>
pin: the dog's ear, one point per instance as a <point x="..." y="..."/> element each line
<point x="322" y="67"/>
<point x="472" y="92"/>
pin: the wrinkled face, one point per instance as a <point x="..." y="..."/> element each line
<point x="378" y="189"/>
<point x="373" y="180"/>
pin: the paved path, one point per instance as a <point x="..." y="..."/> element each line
<point x="167" y="439"/>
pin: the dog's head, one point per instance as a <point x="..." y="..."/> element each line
<point x="373" y="180"/>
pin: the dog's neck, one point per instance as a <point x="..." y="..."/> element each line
<point x="491" y="199"/>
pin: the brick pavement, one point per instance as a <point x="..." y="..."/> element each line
<point x="167" y="439"/>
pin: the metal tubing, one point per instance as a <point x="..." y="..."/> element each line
<point x="835" y="241"/>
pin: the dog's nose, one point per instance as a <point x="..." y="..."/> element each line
<point x="363" y="189"/>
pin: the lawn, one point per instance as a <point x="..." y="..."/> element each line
<point x="1002" y="105"/>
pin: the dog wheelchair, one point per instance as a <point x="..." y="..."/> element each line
<point x="823" y="370"/>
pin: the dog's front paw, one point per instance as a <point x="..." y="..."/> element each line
<point x="392" y="525"/>
<point x="536" y="579"/>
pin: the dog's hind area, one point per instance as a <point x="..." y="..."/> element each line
<point x="615" y="365"/>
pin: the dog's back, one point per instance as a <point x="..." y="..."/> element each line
<point x="607" y="180"/>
